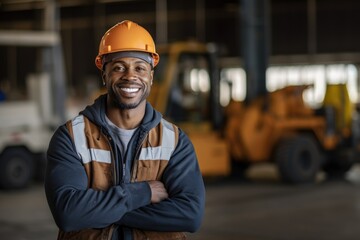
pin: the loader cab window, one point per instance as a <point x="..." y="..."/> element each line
<point x="189" y="97"/>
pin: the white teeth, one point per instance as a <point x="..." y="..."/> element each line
<point x="130" y="90"/>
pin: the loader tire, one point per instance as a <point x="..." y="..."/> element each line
<point x="298" y="159"/>
<point x="16" y="168"/>
<point x="239" y="169"/>
<point x="338" y="163"/>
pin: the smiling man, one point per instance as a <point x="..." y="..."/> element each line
<point x="119" y="170"/>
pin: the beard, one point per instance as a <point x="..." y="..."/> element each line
<point x="126" y="106"/>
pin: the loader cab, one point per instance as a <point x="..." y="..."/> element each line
<point x="186" y="91"/>
<point x="186" y="85"/>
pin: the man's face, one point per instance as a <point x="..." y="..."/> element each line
<point x="128" y="81"/>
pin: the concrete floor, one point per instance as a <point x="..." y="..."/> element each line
<point x="262" y="208"/>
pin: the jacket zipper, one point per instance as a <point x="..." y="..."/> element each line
<point x="123" y="170"/>
<point x="136" y="158"/>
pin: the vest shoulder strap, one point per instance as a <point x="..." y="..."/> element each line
<point x="78" y="127"/>
<point x="170" y="134"/>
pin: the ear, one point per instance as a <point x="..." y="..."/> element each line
<point x="151" y="77"/>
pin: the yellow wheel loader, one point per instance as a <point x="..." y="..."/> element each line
<point x="301" y="141"/>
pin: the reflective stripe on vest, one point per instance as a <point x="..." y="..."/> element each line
<point x="87" y="155"/>
<point x="167" y="147"/>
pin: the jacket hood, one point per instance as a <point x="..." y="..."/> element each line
<point x="96" y="114"/>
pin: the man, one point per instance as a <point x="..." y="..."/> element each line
<point x="119" y="170"/>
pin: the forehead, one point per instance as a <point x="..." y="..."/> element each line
<point x="129" y="60"/>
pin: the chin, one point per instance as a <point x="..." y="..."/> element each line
<point x="127" y="106"/>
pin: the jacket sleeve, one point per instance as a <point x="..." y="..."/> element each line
<point x="73" y="205"/>
<point x="183" y="210"/>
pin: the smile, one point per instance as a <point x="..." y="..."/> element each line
<point x="130" y="90"/>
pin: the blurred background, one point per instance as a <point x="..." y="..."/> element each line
<point x="267" y="90"/>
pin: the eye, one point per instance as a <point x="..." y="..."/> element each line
<point x="118" y="68"/>
<point x="140" y="68"/>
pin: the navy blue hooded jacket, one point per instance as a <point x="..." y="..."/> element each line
<point x="75" y="206"/>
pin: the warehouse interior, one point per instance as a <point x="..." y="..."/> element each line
<point x="269" y="96"/>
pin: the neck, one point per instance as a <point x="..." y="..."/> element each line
<point x="126" y="118"/>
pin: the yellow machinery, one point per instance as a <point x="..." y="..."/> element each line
<point x="279" y="127"/>
<point x="186" y="91"/>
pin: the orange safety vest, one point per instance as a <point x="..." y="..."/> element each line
<point x="94" y="149"/>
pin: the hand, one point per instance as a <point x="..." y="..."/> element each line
<point x="158" y="191"/>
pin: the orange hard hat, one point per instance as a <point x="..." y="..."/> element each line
<point x="124" y="37"/>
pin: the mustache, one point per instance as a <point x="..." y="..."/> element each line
<point x="128" y="84"/>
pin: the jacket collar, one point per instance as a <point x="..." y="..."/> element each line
<point x="96" y="114"/>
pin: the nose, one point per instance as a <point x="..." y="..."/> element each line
<point x="130" y="74"/>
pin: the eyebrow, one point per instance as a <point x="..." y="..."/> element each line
<point x="137" y="61"/>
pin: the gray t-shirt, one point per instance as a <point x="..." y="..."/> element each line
<point x="122" y="136"/>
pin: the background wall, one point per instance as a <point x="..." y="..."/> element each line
<point x="296" y="27"/>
